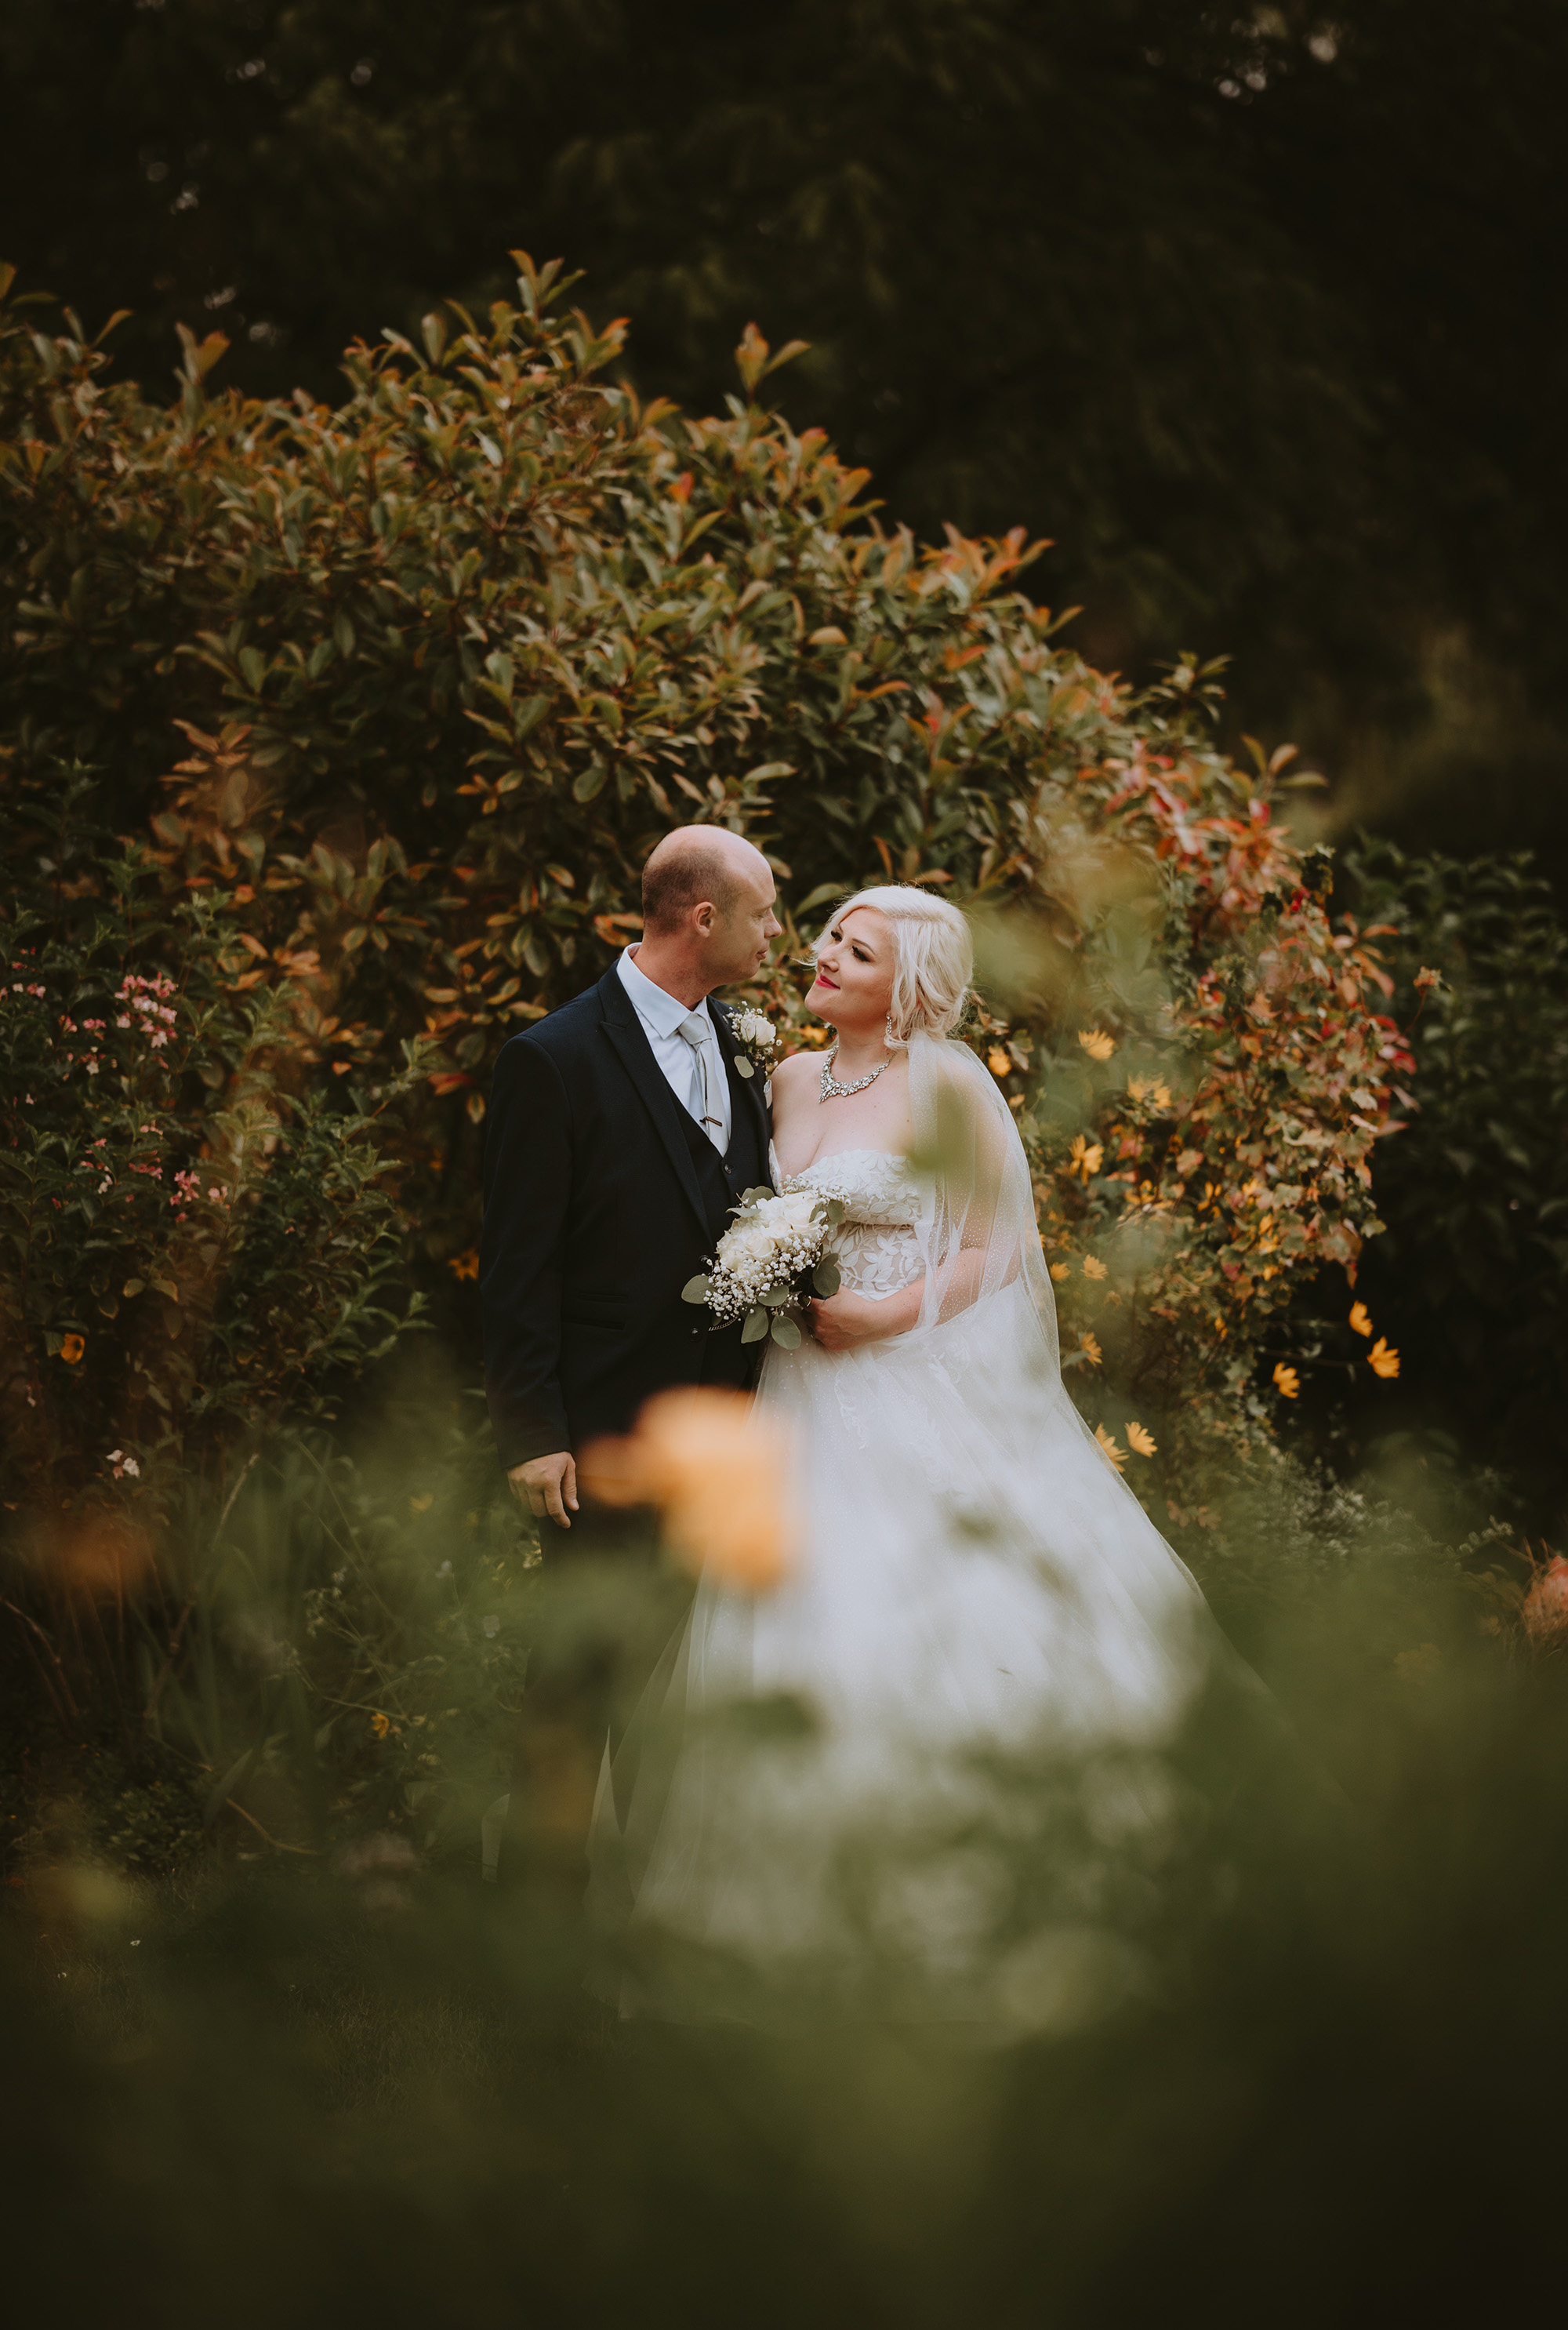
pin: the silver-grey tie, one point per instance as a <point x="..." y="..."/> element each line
<point x="695" y="1030"/>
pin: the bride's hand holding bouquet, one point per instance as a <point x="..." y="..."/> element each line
<point x="846" y="1322"/>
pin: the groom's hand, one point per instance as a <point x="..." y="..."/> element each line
<point x="548" y="1484"/>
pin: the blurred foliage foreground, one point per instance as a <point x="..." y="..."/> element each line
<point x="1255" y="2026"/>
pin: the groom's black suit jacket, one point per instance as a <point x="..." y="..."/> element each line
<point x="602" y="1197"/>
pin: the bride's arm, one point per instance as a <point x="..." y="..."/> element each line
<point x="847" y="1321"/>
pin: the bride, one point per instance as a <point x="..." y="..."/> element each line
<point x="970" y="1577"/>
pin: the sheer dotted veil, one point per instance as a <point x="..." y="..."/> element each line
<point x="978" y="1230"/>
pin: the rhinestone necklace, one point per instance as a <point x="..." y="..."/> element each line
<point x="833" y="1090"/>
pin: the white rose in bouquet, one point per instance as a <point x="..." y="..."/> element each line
<point x="774" y="1256"/>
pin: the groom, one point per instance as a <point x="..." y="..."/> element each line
<point x="619" y="1138"/>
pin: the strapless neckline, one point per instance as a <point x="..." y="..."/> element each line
<point x="892" y="1156"/>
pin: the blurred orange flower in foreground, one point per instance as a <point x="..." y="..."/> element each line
<point x="1383" y="1358"/>
<point x="98" y="1553"/>
<point x="717" y="1469"/>
<point x="1361" y="1318"/>
<point x="1545" y="1606"/>
<point x="1286" y="1382"/>
<point x="71" y="1347"/>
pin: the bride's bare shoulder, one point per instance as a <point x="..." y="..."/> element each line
<point x="799" y="1070"/>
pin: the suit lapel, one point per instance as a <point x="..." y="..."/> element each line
<point x="745" y="1092"/>
<point x="624" y="1030"/>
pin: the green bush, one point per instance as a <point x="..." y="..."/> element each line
<point x="197" y="1242"/>
<point x="1472" y="1278"/>
<point x="447" y="658"/>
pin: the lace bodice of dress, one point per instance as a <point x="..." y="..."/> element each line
<point x="877" y="1249"/>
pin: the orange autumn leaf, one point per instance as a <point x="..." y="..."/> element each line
<point x="1286" y="1382"/>
<point x="1383" y="1358"/>
<point x="998" y="1063"/>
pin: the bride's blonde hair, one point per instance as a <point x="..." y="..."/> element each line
<point x="934" y="957"/>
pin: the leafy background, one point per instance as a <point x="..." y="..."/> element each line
<point x="343" y="692"/>
<point x="1241" y="307"/>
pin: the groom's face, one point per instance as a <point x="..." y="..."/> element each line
<point x="737" y="943"/>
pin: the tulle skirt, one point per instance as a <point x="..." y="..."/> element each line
<point x="971" y="1579"/>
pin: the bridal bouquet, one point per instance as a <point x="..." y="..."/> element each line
<point x="774" y="1254"/>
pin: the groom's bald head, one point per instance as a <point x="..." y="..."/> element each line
<point x="708" y="919"/>
<point x="700" y="865"/>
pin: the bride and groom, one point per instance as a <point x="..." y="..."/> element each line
<point x="968" y="1574"/>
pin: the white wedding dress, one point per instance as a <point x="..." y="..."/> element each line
<point x="970" y="1574"/>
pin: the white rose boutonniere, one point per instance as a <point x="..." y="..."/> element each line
<point x="758" y="1042"/>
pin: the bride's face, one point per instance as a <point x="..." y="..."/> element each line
<point x="856" y="962"/>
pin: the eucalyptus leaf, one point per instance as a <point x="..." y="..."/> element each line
<point x="826" y="1277"/>
<point x="756" y="1326"/>
<point x="743" y="1068"/>
<point x="786" y="1332"/>
<point x="697" y="1290"/>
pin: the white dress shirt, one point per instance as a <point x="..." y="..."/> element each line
<point x="661" y="1015"/>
